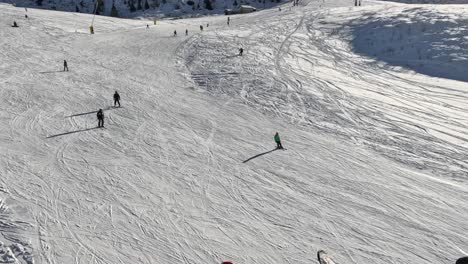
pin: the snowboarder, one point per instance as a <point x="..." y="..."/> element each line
<point x="116" y="98"/>
<point x="175" y="33"/>
<point x="463" y="260"/>
<point x="186" y="32"/>
<point x="201" y="28"/>
<point x="100" y="117"/>
<point x="65" y="65"/>
<point x="15" y="24"/>
<point x="241" y="51"/>
<point x="278" y="141"/>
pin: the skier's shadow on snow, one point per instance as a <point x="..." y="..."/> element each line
<point x="258" y="155"/>
<point x="93" y="112"/>
<point x="232" y="56"/>
<point x="51" y="72"/>
<point x="72" y="132"/>
<point x="87" y="113"/>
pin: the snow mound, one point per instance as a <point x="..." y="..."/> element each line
<point x="428" y="41"/>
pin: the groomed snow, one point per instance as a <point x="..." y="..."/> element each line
<point x="374" y="172"/>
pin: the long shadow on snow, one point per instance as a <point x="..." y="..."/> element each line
<point x="423" y="41"/>
<point x="51" y="72"/>
<point x="258" y="155"/>
<point x="72" y="132"/>
<point x="93" y="112"/>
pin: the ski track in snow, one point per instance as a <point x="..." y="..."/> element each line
<point x="374" y="170"/>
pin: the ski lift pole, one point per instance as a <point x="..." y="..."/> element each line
<point x="91" y="28"/>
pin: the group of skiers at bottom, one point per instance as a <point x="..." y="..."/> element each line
<point x="186" y="30"/>
<point x="175" y="33"/>
<point x="100" y="113"/>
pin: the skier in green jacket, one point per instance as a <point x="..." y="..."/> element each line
<point x="278" y="141"/>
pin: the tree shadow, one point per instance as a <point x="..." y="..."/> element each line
<point x="72" y="132"/>
<point x="258" y="155"/>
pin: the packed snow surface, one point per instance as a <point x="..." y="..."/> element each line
<point x="376" y="163"/>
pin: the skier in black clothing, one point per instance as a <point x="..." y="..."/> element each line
<point x="15" y="24"/>
<point x="241" y="51"/>
<point x="186" y="32"/>
<point x="228" y="21"/>
<point x="201" y="28"/>
<point x="175" y="33"/>
<point x="65" y="65"/>
<point x="463" y="260"/>
<point x="116" y="99"/>
<point x="100" y="117"/>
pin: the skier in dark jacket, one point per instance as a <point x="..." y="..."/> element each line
<point x="65" y="65"/>
<point x="100" y="117"/>
<point x="175" y="33"/>
<point x="116" y="98"/>
<point x="186" y="32"/>
<point x="201" y="28"/>
<point x="241" y="51"/>
<point x="278" y="141"/>
<point x="463" y="260"/>
<point x="15" y="24"/>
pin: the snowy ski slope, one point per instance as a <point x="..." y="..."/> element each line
<point x="376" y="163"/>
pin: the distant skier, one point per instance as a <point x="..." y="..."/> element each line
<point x="228" y="21"/>
<point x="116" y="98"/>
<point x="147" y="26"/>
<point x="186" y="32"/>
<point x="201" y="28"/>
<point x="175" y="33"/>
<point x="91" y="30"/>
<point x="463" y="260"/>
<point x="278" y="141"/>
<point x="207" y="25"/>
<point x="26" y="16"/>
<point x="65" y="65"/>
<point x="100" y="117"/>
<point x="241" y="51"/>
<point x="15" y="24"/>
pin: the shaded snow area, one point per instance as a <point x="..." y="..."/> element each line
<point x="374" y="170"/>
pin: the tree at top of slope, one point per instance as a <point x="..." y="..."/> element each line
<point x="146" y="8"/>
